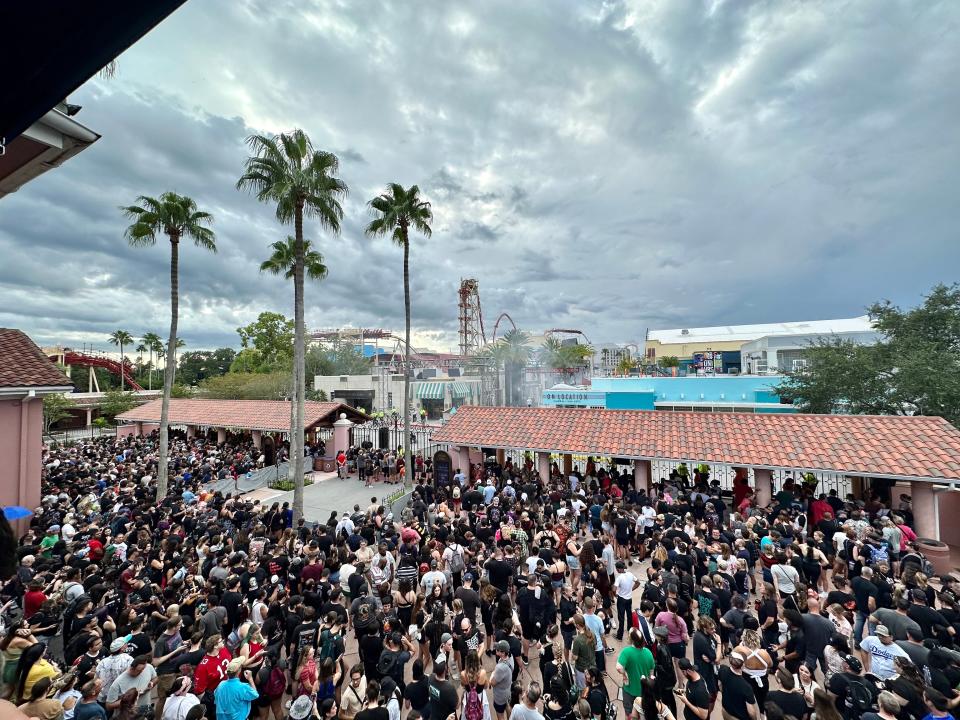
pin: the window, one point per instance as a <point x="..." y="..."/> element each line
<point x="799" y="364"/>
<point x="389" y="399"/>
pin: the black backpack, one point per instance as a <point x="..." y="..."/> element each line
<point x="859" y="700"/>
<point x="387" y="664"/>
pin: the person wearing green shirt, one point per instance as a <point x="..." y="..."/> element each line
<point x="634" y="663"/>
<point x="49" y="540"/>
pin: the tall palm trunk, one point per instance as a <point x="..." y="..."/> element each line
<point x="406" y="357"/>
<point x="168" y="368"/>
<point x="121" y="366"/>
<point x="150" y="371"/>
<point x="296" y="429"/>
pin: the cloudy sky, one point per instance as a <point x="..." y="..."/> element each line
<point x="609" y="166"/>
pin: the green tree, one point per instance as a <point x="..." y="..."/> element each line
<point x="626" y="365"/>
<point x="56" y="407"/>
<point x="914" y="369"/>
<point x="181" y="391"/>
<point x="197" y="365"/>
<point x="286" y="170"/>
<point x="396" y="211"/>
<point x="518" y="353"/>
<point x="669" y="362"/>
<point x="152" y="342"/>
<point x="177" y="217"/>
<point x="271" y="336"/>
<point x="566" y="358"/>
<point x="347" y="360"/>
<point x="121" y="338"/>
<point x="249" y="386"/>
<point x="115" y="402"/>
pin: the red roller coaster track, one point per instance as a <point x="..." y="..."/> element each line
<point x="75" y="358"/>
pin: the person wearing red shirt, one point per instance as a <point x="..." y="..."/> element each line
<point x="341" y="464"/>
<point x="212" y="668"/>
<point x="741" y="486"/>
<point x="818" y="508"/>
<point x="96" y="550"/>
<point x="32" y="599"/>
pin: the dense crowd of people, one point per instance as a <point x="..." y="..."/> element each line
<point x="502" y="593"/>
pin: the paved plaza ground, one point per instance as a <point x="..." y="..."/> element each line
<point x="328" y="493"/>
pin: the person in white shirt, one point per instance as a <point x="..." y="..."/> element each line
<point x="879" y="652"/>
<point x="345" y="525"/>
<point x="624" y="583"/>
<point x="181" y="699"/>
<point x="431" y="578"/>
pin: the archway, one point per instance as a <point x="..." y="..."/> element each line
<point x="269" y="451"/>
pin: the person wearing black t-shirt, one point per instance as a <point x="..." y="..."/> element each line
<point x="443" y="694"/>
<point x="696" y="698"/>
<point x="787" y="698"/>
<point x="736" y="696"/>
<point x="417" y="693"/>
<point x="372" y="709"/>
<point x="499" y="571"/>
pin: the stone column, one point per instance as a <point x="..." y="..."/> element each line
<point x="543" y="465"/>
<point x="191" y="431"/>
<point x="257" y="437"/>
<point x="221" y="436"/>
<point x="763" y="480"/>
<point x="501" y="457"/>
<point x="89" y="414"/>
<point x="341" y="434"/>
<point x="139" y="428"/>
<point x="641" y="475"/>
<point x="926" y="510"/>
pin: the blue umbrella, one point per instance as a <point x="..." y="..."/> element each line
<point x="16" y="512"/>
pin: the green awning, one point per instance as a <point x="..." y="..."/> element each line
<point x="459" y="389"/>
<point x="430" y="391"/>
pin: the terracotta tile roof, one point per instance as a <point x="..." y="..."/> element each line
<point x="870" y="445"/>
<point x="269" y="415"/>
<point x="23" y="364"/>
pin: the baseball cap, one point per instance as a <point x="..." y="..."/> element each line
<point x="120" y="643"/>
<point x="235" y="666"/>
<point x="445" y="638"/>
<point x="503" y="646"/>
<point x="467" y="577"/>
<point x="853" y="662"/>
<point x="881" y="631"/>
<point x="684" y="664"/>
<point x="301" y="708"/>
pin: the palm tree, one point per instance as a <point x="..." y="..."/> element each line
<point x="121" y="338"/>
<point x="496" y="354"/>
<point x="175" y="216"/>
<point x="152" y="341"/>
<point x="180" y="343"/>
<point x="517" y="355"/>
<point x="282" y="261"/>
<point x="287" y="170"/>
<point x="396" y="211"/>
<point x="565" y="359"/>
<point x="625" y="365"/>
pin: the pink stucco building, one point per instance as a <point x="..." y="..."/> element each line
<point x="26" y="375"/>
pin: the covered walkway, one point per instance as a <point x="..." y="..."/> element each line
<point x="923" y="451"/>
<point x="262" y="419"/>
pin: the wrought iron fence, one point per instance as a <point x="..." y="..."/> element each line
<point x="78" y="434"/>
